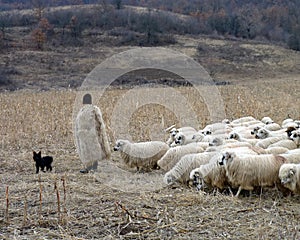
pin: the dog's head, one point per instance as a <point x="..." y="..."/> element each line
<point x="37" y="156"/>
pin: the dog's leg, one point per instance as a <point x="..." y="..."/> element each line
<point x="49" y="168"/>
<point x="37" y="169"/>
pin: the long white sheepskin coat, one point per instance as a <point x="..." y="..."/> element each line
<point x="289" y="175"/>
<point x="249" y="171"/>
<point x="142" y="155"/>
<point x="91" y="137"/>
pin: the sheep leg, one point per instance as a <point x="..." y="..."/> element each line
<point x="238" y="192"/>
<point x="231" y="193"/>
<point x="202" y="183"/>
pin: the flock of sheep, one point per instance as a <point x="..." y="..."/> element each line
<point x="242" y="154"/>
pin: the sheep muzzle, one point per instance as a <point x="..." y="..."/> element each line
<point x="285" y="181"/>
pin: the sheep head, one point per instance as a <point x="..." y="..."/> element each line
<point x="286" y="174"/>
<point x="206" y="131"/>
<point x="195" y="176"/>
<point x="169" y="179"/>
<point x="289" y="131"/>
<point x="198" y="137"/>
<point x="233" y="135"/>
<point x="179" y="139"/>
<point x="255" y="130"/>
<point x="262" y="133"/>
<point x="267" y="120"/>
<point x="226" y="157"/>
<point x="173" y="132"/>
<point x="216" y="142"/>
<point x="119" y="144"/>
<point x="295" y="136"/>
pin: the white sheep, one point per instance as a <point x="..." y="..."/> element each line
<point x="212" y="128"/>
<point x="213" y="174"/>
<point x="227" y="143"/>
<point x="91" y="137"/>
<point x="265" y="143"/>
<point x="236" y="136"/>
<point x="287" y="122"/>
<point x="181" y="171"/>
<point x="174" y="154"/>
<point x="275" y="150"/>
<point x="174" y="131"/>
<point x="297" y="122"/>
<point x="295" y="136"/>
<point x="292" y="156"/>
<point x="184" y="139"/>
<point x="286" y="143"/>
<point x="267" y="120"/>
<point x="246" y="132"/>
<point x="142" y="155"/>
<point x="243" y="120"/>
<point x="249" y="171"/>
<point x="264" y="133"/>
<point x="272" y="127"/>
<point x="289" y="174"/>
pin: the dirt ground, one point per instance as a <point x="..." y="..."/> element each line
<point x="66" y="204"/>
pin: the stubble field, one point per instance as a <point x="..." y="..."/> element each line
<point x="84" y="206"/>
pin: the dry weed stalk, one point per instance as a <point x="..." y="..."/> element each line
<point x="7" y="205"/>
<point x="63" y="179"/>
<point x="25" y="211"/>
<point x="125" y="210"/>
<point x="58" y="201"/>
<point x="40" y="198"/>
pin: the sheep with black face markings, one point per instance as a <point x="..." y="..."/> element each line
<point x="295" y="136"/>
<point x="236" y="136"/>
<point x="289" y="174"/>
<point x="264" y="133"/>
<point x="184" y="139"/>
<point x="249" y="171"/>
<point x="212" y="173"/>
<point x="142" y="155"/>
<point x="175" y="131"/>
<point x="217" y="144"/>
<point x="267" y="120"/>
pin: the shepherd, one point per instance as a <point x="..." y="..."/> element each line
<point x="91" y="137"/>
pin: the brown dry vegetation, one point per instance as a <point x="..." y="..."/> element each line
<point x="89" y="208"/>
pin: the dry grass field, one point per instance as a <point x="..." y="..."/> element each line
<point x="85" y="207"/>
<point x="262" y="80"/>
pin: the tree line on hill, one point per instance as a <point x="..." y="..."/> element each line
<point x="271" y="20"/>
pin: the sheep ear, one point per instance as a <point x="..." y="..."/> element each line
<point x="292" y="172"/>
<point x="226" y="155"/>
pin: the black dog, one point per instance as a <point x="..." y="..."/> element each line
<point x="42" y="162"/>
